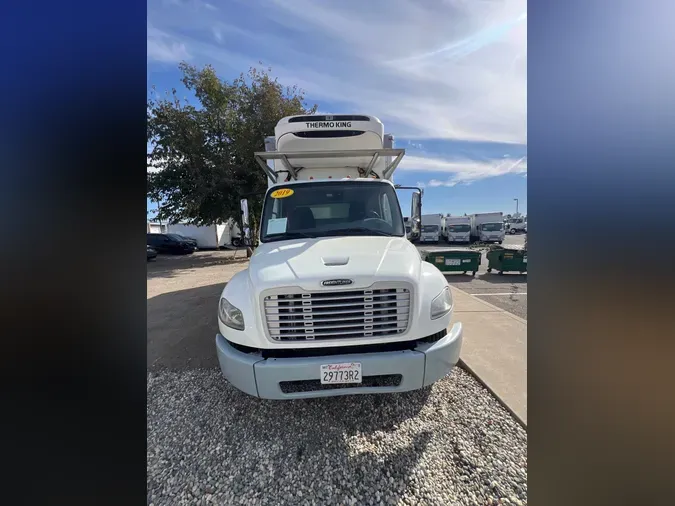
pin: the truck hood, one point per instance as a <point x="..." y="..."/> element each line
<point x="308" y="262"/>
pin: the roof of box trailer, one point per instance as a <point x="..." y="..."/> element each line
<point x="336" y="180"/>
<point x="329" y="117"/>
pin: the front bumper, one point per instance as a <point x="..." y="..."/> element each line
<point x="418" y="367"/>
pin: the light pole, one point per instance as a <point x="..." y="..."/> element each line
<point x="516" y="205"/>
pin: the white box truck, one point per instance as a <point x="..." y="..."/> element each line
<point x="516" y="223"/>
<point x="487" y="227"/>
<point x="458" y="229"/>
<point x="335" y="299"/>
<point x="431" y="228"/>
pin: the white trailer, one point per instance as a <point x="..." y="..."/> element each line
<point x="487" y="227"/>
<point x="335" y="299"/>
<point x="210" y="236"/>
<point x="156" y="228"/>
<point x="458" y="229"/>
<point x="431" y="228"/>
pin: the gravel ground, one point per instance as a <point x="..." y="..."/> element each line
<point x="451" y="443"/>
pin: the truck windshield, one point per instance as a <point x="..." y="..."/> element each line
<point x="458" y="228"/>
<point x="492" y="227"/>
<point x="325" y="209"/>
<point x="430" y="229"/>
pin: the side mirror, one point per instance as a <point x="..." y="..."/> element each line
<point x="416" y="213"/>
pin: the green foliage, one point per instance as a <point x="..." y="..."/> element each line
<point x="203" y="156"/>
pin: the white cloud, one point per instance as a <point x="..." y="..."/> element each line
<point x="193" y="4"/>
<point x="458" y="72"/>
<point x="456" y="69"/>
<point x="464" y="171"/>
<point x="163" y="48"/>
<point x="435" y="182"/>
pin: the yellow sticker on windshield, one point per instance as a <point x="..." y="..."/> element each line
<point x="281" y="193"/>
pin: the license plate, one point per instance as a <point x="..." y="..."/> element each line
<point x="348" y="372"/>
<point x="452" y="261"/>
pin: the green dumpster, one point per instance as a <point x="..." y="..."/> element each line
<point x="507" y="259"/>
<point x="455" y="260"/>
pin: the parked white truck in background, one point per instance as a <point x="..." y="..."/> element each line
<point x="408" y="227"/>
<point x="487" y="227"/>
<point x="458" y="229"/>
<point x="516" y="224"/>
<point x="335" y="299"/>
<point x="431" y="228"/>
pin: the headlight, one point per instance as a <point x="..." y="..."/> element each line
<point x="442" y="304"/>
<point x="230" y="315"/>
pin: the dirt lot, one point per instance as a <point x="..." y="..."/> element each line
<point x="183" y="294"/>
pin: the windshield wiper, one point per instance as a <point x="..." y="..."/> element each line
<point x="288" y="235"/>
<point x="356" y="231"/>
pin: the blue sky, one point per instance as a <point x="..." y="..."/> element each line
<point x="448" y="78"/>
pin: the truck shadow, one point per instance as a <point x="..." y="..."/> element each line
<point x="506" y="278"/>
<point x="168" y="266"/>
<point x="182" y="327"/>
<point x="322" y="455"/>
<point x="458" y="277"/>
<point x="324" y="428"/>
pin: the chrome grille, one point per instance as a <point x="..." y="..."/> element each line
<point x="379" y="312"/>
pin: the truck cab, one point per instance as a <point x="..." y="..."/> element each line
<point x="492" y="232"/>
<point x="487" y="227"/>
<point x="335" y="299"/>
<point x="516" y="224"/>
<point x="458" y="229"/>
<point x="431" y="228"/>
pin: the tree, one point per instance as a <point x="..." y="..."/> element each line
<point x="201" y="162"/>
